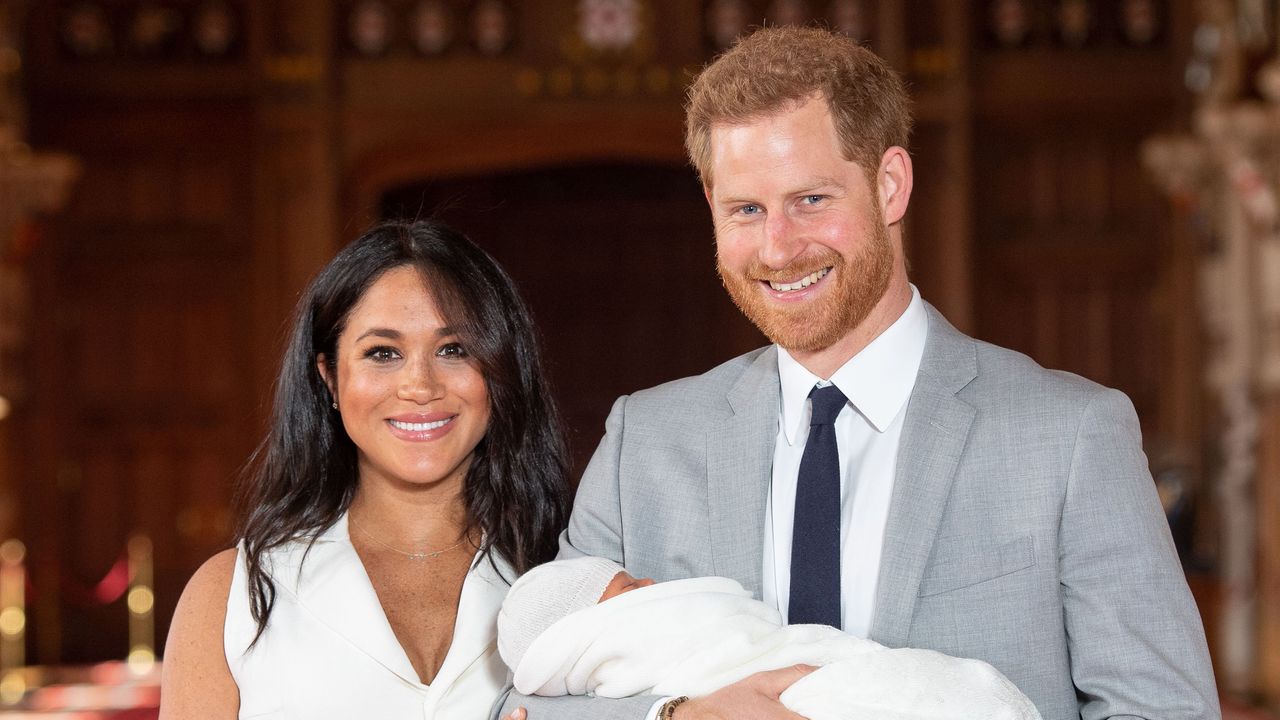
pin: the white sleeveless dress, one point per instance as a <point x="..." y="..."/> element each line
<point x="329" y="652"/>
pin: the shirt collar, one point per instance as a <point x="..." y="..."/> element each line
<point x="878" y="380"/>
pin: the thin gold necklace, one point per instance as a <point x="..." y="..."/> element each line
<point x="411" y="555"/>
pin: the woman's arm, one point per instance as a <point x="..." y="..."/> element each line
<point x="196" y="681"/>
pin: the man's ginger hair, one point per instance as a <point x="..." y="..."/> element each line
<point x="776" y="68"/>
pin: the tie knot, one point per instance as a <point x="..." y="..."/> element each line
<point x="827" y="403"/>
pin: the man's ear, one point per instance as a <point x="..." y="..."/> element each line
<point x="894" y="184"/>
<point x="322" y="366"/>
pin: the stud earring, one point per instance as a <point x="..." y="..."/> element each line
<point x="335" y="404"/>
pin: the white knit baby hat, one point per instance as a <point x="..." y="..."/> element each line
<point x="544" y="595"/>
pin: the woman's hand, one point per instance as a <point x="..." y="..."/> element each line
<point x="517" y="714"/>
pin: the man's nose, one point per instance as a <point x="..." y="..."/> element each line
<point x="781" y="241"/>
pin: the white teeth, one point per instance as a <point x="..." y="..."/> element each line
<point x="803" y="282"/>
<point x="419" y="427"/>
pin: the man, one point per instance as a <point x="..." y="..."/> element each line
<point x="944" y="494"/>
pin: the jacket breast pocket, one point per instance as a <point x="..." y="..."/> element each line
<point x="964" y="562"/>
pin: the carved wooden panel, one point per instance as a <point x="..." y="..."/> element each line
<point x="937" y="235"/>
<point x="1077" y="261"/>
<point x="1075" y="24"/>
<point x="1072" y="245"/>
<point x="143" y="404"/>
<point x="190" y="31"/>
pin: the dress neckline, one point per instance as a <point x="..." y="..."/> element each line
<point x="335" y="587"/>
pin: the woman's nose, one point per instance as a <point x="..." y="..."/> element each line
<point x="420" y="383"/>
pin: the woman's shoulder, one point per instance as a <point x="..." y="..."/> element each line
<point x="215" y="573"/>
<point x="205" y="596"/>
<point x="201" y="613"/>
<point x="195" y="667"/>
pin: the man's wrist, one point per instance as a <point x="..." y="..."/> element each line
<point x="668" y="709"/>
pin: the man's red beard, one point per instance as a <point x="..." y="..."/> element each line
<point x="811" y="326"/>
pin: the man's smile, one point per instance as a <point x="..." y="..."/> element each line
<point x="800" y="284"/>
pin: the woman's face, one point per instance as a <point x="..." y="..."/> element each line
<point x="411" y="398"/>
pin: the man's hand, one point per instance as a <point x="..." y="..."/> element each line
<point x="752" y="697"/>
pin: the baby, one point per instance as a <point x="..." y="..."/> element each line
<point x="586" y="627"/>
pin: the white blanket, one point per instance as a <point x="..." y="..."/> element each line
<point x="692" y="637"/>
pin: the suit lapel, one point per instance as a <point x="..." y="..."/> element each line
<point x="934" y="434"/>
<point x="739" y="462"/>
<point x="475" y="630"/>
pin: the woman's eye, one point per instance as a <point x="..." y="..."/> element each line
<point x="381" y="353"/>
<point x="453" y="350"/>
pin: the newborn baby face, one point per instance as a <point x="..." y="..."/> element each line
<point x="622" y="583"/>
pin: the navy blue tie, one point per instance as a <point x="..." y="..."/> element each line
<point x="815" y="536"/>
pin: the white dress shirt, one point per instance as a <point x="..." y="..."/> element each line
<point x="878" y="382"/>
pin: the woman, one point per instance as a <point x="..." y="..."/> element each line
<point x="414" y="466"/>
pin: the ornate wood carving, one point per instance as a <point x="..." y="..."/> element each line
<point x="1076" y="24"/>
<point x="131" y="30"/>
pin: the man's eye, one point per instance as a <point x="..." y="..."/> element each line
<point x="750" y="210"/>
<point x="382" y="353"/>
<point x="812" y="199"/>
<point x="454" y="350"/>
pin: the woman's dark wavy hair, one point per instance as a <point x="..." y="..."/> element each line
<point x="303" y="475"/>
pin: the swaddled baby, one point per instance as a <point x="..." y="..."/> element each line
<point x="586" y="627"/>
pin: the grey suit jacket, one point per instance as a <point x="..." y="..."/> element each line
<point x="1024" y="527"/>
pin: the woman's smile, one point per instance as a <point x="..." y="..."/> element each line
<point x="422" y="428"/>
